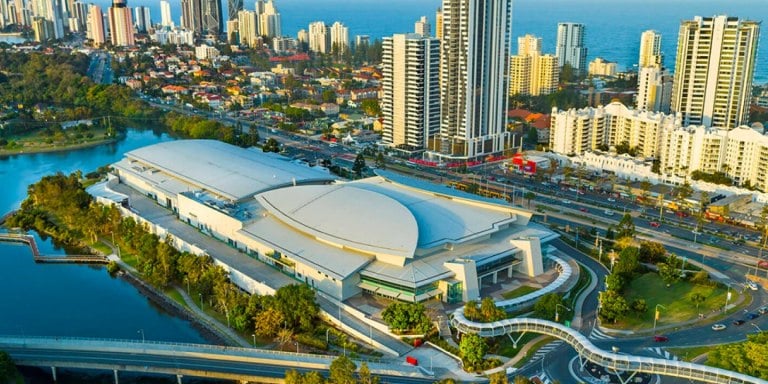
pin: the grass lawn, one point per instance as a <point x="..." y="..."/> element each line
<point x="176" y="296"/>
<point x="519" y="291"/>
<point x="505" y="347"/>
<point x="101" y="247"/>
<point x="688" y="354"/>
<point x="675" y="299"/>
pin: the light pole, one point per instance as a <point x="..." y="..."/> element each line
<point x="326" y="336"/>
<point x="297" y="346"/>
<point x="758" y="328"/>
<point x="142" y="334"/>
<point x="254" y="339"/>
<point x="656" y="316"/>
<point x="727" y="298"/>
<point x="557" y="314"/>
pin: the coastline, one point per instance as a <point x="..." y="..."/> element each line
<point x="8" y="153"/>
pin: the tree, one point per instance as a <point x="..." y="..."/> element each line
<point x="651" y="251"/>
<point x="489" y="312"/>
<point x="528" y="197"/>
<point x="697" y="298"/>
<point x="668" y="273"/>
<point x="472" y="349"/>
<point x="640" y="306"/>
<point x="342" y="371"/>
<point x="271" y="145"/>
<point x="359" y="165"/>
<point x="406" y="317"/>
<point x="268" y="322"/>
<point x="522" y="380"/>
<point x="532" y="136"/>
<point x="498" y="378"/>
<point x="284" y="336"/>
<point x="628" y="262"/>
<point x="364" y="373"/>
<point x="296" y="302"/>
<point x="615" y="282"/>
<point x="746" y="357"/>
<point x="380" y="161"/>
<point x="329" y="96"/>
<point x="371" y="107"/>
<point x="626" y="227"/>
<point x="546" y="306"/>
<point x="8" y="370"/>
<point x="613" y="306"/>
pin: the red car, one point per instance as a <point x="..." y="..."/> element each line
<point x="583" y="209"/>
<point x="660" y="338"/>
<point x="655" y="224"/>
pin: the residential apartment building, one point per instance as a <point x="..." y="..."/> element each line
<point x="270" y="22"/>
<point x="248" y="28"/>
<point x="474" y="83"/>
<point x="319" y="37"/>
<point x="142" y="19"/>
<point x="422" y="27"/>
<point x="165" y="14"/>
<point x="339" y="38"/>
<point x="411" y="91"/>
<point x="120" y="24"/>
<point x="95" y="26"/>
<point x="570" y="47"/>
<point x="602" y="67"/>
<point x="576" y="131"/>
<point x="530" y="72"/>
<point x="713" y="72"/>
<point x="654" y="82"/>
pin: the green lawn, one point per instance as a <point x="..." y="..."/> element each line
<point x="101" y="247"/>
<point x="688" y="354"/>
<point x="519" y="291"/>
<point x="675" y="299"/>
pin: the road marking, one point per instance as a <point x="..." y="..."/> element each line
<point x="598" y="335"/>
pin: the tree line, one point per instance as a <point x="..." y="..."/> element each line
<point x="59" y="206"/>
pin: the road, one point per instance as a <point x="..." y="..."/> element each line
<point x="100" y="68"/>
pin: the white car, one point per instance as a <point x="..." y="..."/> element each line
<point x="608" y="212"/>
<point x="611" y="199"/>
<point x="566" y="201"/>
<point x="718" y="327"/>
<point x="752" y="285"/>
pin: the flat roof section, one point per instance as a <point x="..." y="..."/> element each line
<point x="226" y="170"/>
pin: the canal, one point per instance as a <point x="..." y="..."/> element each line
<point x="75" y="300"/>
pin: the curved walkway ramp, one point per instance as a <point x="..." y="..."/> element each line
<point x="564" y="273"/>
<point x="589" y="351"/>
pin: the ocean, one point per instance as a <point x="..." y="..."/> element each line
<point x="613" y="27"/>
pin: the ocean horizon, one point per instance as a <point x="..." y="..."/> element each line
<point x="612" y="29"/>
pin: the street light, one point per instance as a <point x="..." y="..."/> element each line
<point x="727" y="297"/>
<point x="557" y="314"/>
<point x="297" y="346"/>
<point x="142" y="334"/>
<point x="201" y="301"/>
<point x="758" y="328"/>
<point x="254" y="339"/>
<point x="656" y="316"/>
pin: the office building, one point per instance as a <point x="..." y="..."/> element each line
<point x="602" y="67"/>
<point x="95" y="26"/>
<point x="411" y="87"/>
<point x="270" y="23"/>
<point x="474" y="80"/>
<point x="570" y="47"/>
<point x="339" y="38"/>
<point x="388" y="235"/>
<point x="120" y="24"/>
<point x="713" y="71"/>
<point x="422" y="27"/>
<point x="319" y="37"/>
<point x="142" y="19"/>
<point x="248" y="27"/>
<point x="530" y="72"/>
<point x="166" y="20"/>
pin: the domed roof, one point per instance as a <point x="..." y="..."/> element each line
<point x="354" y="218"/>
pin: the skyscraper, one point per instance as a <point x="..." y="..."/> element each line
<point x="248" y="25"/>
<point x="530" y="72"/>
<point x="233" y="7"/>
<point x="319" y="37"/>
<point x="120" y="24"/>
<point x="339" y="38"/>
<point x="411" y="86"/>
<point x="473" y="70"/>
<point x="213" y="22"/>
<point x="191" y="16"/>
<point x="422" y="27"/>
<point x="654" y="83"/>
<point x="439" y="24"/>
<point x="713" y="70"/>
<point x="270" y="24"/>
<point x="570" y="47"/>
<point x="165" y="14"/>
<point x="142" y="19"/>
<point x="95" y="25"/>
<point x="650" y="49"/>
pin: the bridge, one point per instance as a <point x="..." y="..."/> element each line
<point x="40" y="258"/>
<point x="180" y="359"/>
<point x="584" y="348"/>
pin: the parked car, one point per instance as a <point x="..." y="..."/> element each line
<point x="738" y="322"/>
<point x="718" y="327"/>
<point x="752" y="316"/>
<point x="660" y="338"/>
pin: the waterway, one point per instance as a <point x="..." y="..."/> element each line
<point x="75" y="300"/>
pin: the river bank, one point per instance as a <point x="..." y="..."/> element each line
<point x="62" y="148"/>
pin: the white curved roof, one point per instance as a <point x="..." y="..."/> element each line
<point x="354" y="218"/>
<point x="226" y="170"/>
